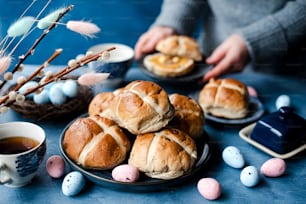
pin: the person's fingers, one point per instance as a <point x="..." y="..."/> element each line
<point x="140" y="46"/>
<point x="217" y="71"/>
<point x="217" y="55"/>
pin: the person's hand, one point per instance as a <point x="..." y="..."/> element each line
<point x="231" y="56"/>
<point x="147" y="41"/>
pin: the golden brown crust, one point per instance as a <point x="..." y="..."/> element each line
<point x="179" y="45"/>
<point x="96" y="143"/>
<point x="188" y="117"/>
<point x="167" y="154"/>
<point x="168" y="66"/>
<point x="142" y="106"/>
<point x="226" y="98"/>
<point x="100" y="103"/>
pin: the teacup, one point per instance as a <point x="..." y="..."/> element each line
<point x="22" y="150"/>
<point x="117" y="65"/>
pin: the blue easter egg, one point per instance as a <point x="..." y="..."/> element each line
<point x="56" y="96"/>
<point x="26" y="86"/>
<point x="249" y="176"/>
<point x="48" y="86"/>
<point x="70" y="88"/>
<point x="73" y="183"/>
<point x="42" y="97"/>
<point x="232" y="156"/>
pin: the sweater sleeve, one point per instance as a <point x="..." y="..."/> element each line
<point x="182" y="15"/>
<point x="273" y="35"/>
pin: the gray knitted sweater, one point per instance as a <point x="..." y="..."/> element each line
<point x="275" y="30"/>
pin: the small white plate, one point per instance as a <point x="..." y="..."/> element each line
<point x="245" y="134"/>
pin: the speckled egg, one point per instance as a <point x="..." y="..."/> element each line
<point x="73" y="183"/>
<point x="55" y="166"/>
<point x="232" y="156"/>
<point x="282" y="100"/>
<point x="274" y="167"/>
<point x="125" y="173"/>
<point x="42" y="97"/>
<point x="249" y="176"/>
<point x="56" y="96"/>
<point x="209" y="188"/>
<point x="70" y="88"/>
<point x="26" y="86"/>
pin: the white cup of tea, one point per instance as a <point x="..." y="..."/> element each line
<point x="22" y="150"/>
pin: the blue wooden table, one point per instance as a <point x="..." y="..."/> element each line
<point x="290" y="188"/>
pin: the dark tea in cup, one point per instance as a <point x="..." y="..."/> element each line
<point x="16" y="144"/>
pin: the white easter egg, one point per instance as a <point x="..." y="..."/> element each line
<point x="232" y="156"/>
<point x="70" y="88"/>
<point x="125" y="173"/>
<point x="30" y="84"/>
<point x="209" y="188"/>
<point x="56" y="95"/>
<point x="274" y="167"/>
<point x="42" y="97"/>
<point x="73" y="183"/>
<point x="282" y="100"/>
<point x="249" y="176"/>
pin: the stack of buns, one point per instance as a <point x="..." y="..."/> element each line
<point x="161" y="147"/>
<point x="176" y="56"/>
<point x="227" y="98"/>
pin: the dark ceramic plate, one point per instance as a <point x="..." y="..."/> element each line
<point x="144" y="184"/>
<point x="256" y="110"/>
<point x="198" y="71"/>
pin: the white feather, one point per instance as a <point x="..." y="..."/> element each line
<point x="21" y="26"/>
<point x="84" y="28"/>
<point x="91" y="78"/>
<point x="5" y="62"/>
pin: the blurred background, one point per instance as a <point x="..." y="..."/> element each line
<point x="120" y="21"/>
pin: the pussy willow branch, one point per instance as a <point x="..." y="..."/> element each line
<point x="35" y="73"/>
<point x="37" y="41"/>
<point x="63" y="72"/>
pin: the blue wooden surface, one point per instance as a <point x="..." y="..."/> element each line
<point x="290" y="188"/>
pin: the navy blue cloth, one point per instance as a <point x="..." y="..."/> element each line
<point x="120" y="21"/>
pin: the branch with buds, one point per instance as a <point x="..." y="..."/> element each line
<point x="22" y="27"/>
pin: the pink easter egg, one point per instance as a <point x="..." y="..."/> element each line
<point x="209" y="188"/>
<point x="55" y="166"/>
<point x="125" y="173"/>
<point x="274" y="167"/>
<point x="252" y="91"/>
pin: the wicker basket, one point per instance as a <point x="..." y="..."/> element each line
<point x="72" y="107"/>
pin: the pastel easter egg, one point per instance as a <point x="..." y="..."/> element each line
<point x="282" y="100"/>
<point x="209" y="188"/>
<point x="42" y="97"/>
<point x="252" y="91"/>
<point x="232" y="156"/>
<point x="73" y="183"/>
<point x="55" y="166"/>
<point x="48" y="86"/>
<point x="70" y="88"/>
<point x="57" y="97"/>
<point x="249" y="176"/>
<point x="125" y="173"/>
<point x="274" y="167"/>
<point x="30" y="84"/>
